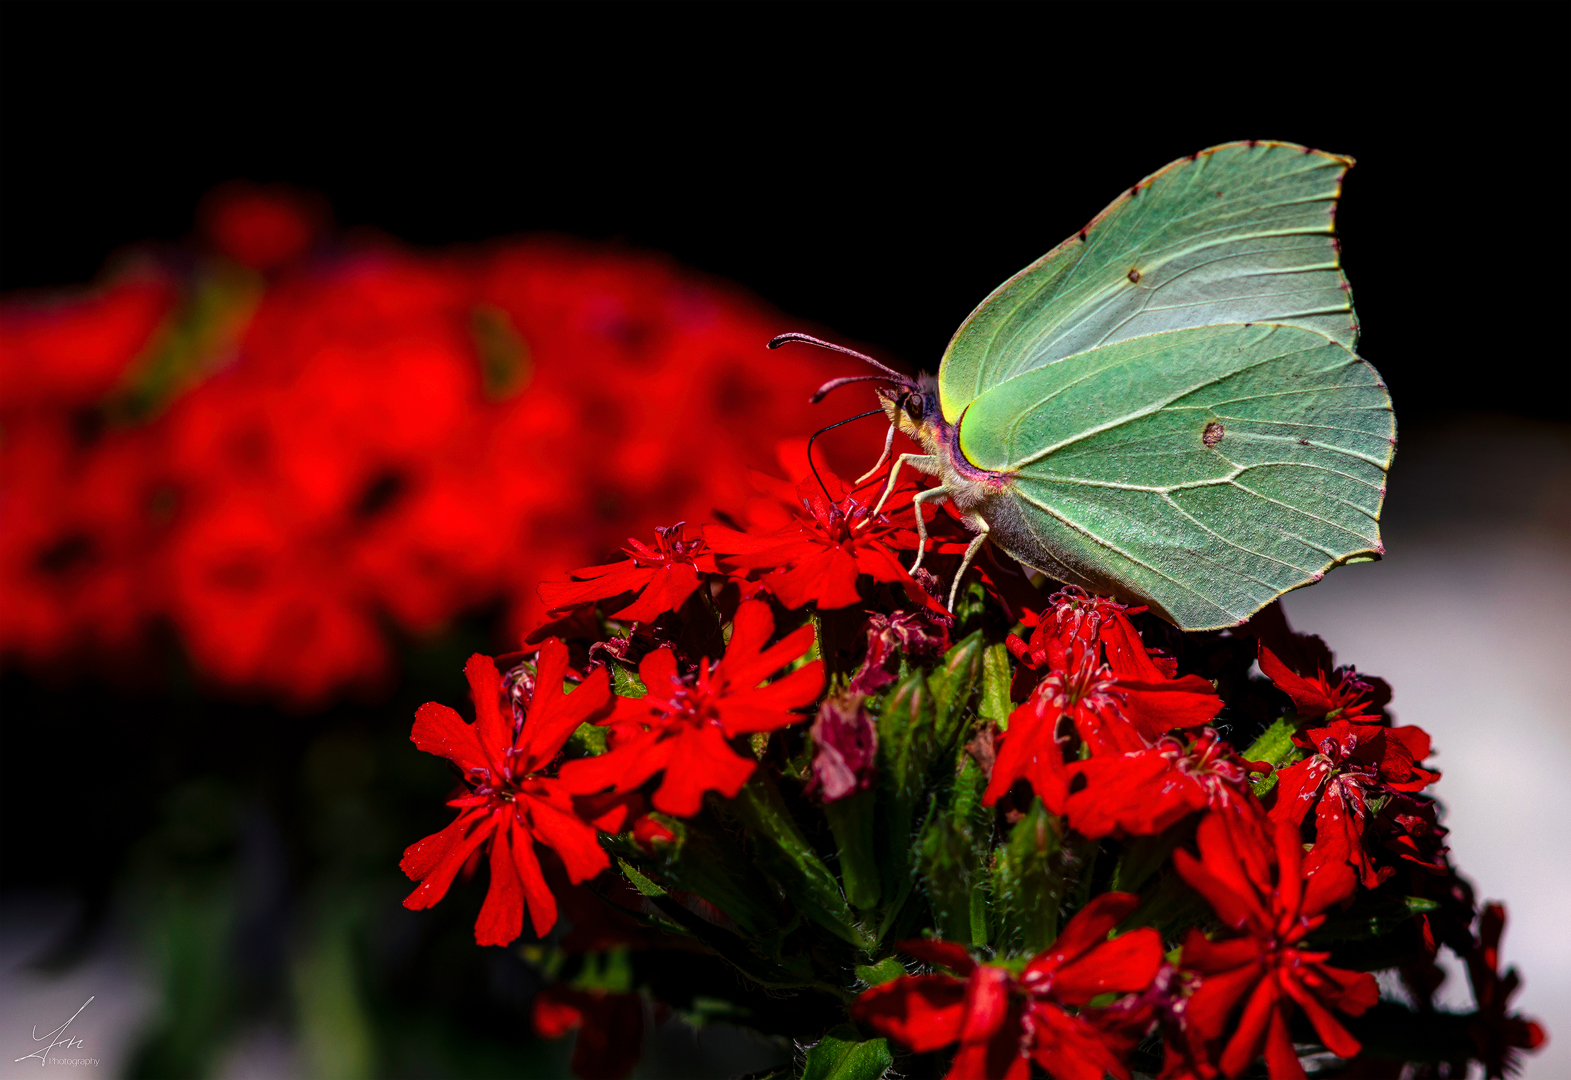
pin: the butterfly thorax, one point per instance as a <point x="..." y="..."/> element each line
<point x="914" y="411"/>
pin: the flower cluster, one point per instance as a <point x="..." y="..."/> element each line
<point x="286" y="441"/>
<point x="1041" y="832"/>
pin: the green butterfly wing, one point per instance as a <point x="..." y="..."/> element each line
<point x="1204" y="471"/>
<point x="1240" y="233"/>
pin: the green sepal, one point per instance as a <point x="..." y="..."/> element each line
<point x="1275" y="748"/>
<point x="952" y="684"/>
<point x="625" y="681"/>
<point x="841" y="1055"/>
<point x="996" y="678"/>
<point x="587" y="740"/>
<point x="905" y="736"/>
<point x="851" y="821"/>
<point x="785" y="854"/>
<point x="886" y="970"/>
<point x="953" y="850"/>
<point x="1028" y="882"/>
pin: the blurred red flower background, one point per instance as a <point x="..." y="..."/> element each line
<point x="292" y="446"/>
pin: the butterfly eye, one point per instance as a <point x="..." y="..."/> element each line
<point x="916" y="407"/>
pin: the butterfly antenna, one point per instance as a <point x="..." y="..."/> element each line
<point x="888" y="374"/>
<point x="820" y="431"/>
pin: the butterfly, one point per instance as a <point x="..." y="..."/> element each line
<point x="1166" y="407"/>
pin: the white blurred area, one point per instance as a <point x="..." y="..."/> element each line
<point x="1468" y="618"/>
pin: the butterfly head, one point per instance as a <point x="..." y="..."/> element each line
<point x="912" y="407"/>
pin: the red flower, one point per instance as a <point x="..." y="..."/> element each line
<point x="1266" y="967"/>
<point x="1495" y="1033"/>
<point x="1003" y="1022"/>
<point x="1110" y="714"/>
<point x="1352" y="763"/>
<point x="511" y="804"/>
<point x="1144" y="792"/>
<point x="1079" y="623"/>
<point x="610" y="1028"/>
<point x="819" y="556"/>
<point x="682" y="726"/>
<point x="664" y="576"/>
<point x="1349" y="699"/>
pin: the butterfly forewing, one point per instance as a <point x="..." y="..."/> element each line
<point x="1240" y="233"/>
<point x="1205" y="471"/>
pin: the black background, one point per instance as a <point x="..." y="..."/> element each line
<point x="875" y="169"/>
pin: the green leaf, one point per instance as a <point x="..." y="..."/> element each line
<point x="840" y="1055"/>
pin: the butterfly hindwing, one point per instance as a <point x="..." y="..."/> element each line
<point x="1204" y="471"/>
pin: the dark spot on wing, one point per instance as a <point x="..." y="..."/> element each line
<point x="1212" y="435"/>
<point x="1303" y="442"/>
<point x="1134" y="275"/>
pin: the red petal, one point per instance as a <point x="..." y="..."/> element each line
<point x="502" y="915"/>
<point x="1070" y="1047"/>
<point x="572" y="839"/>
<point x="669" y="588"/>
<point x="485" y="686"/>
<point x="1298" y="786"/>
<point x="542" y="904"/>
<point x="554" y="714"/>
<point x="949" y="954"/>
<point x="1245" y="1044"/>
<point x="1139" y="794"/>
<point x="1126" y="964"/>
<point x="700" y="761"/>
<point x="1281" y="1059"/>
<point x="1213" y="1003"/>
<point x="435" y="884"/>
<point x="441" y="731"/>
<point x="1087" y="930"/>
<point x="657" y="671"/>
<point x="1236" y="912"/>
<point x="987" y="1003"/>
<point x="1309" y="695"/>
<point x="557" y="1011"/>
<point x="1177" y="703"/>
<point x="1028" y="751"/>
<point x="924" y="1012"/>
<point x="1334" y="1035"/>
<point x="624" y="768"/>
<point x="423" y="856"/>
<point x="611" y="580"/>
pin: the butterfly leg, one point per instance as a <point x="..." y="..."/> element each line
<point x="889" y="442"/>
<point x="930" y="495"/>
<point x="925" y="463"/>
<point x="976" y="522"/>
